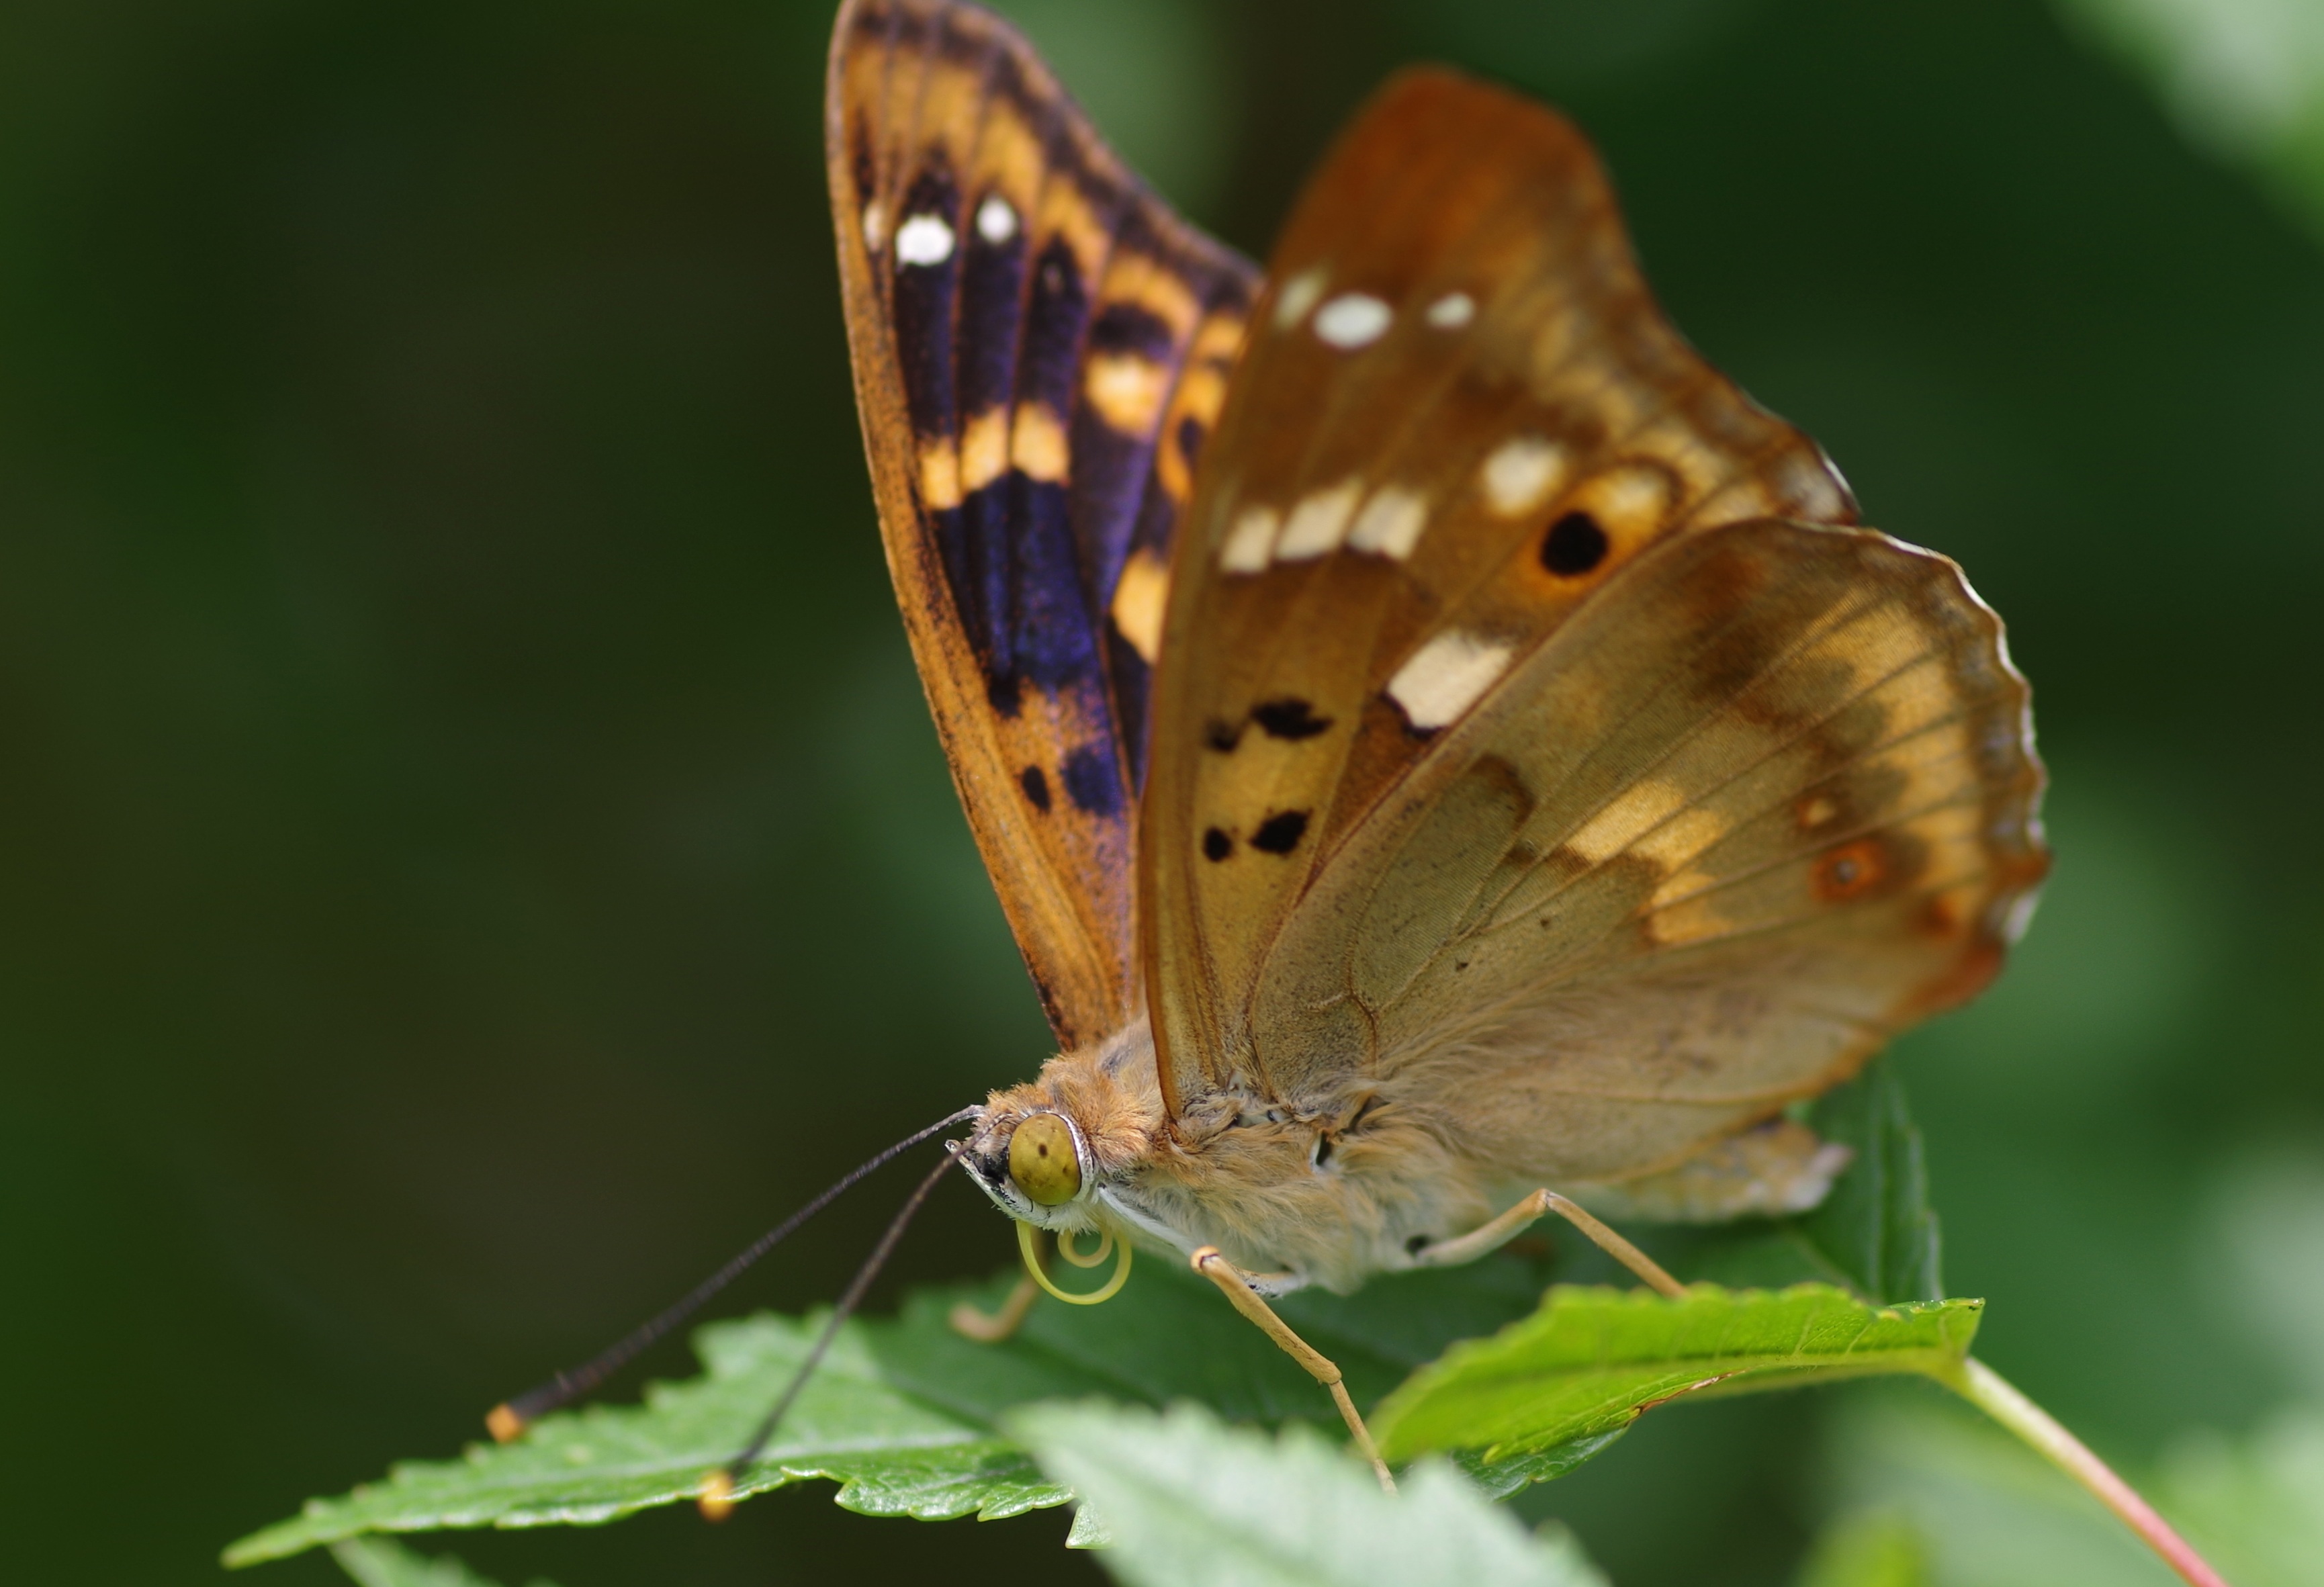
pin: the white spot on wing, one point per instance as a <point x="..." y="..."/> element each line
<point x="1318" y="524"/>
<point x="875" y="225"/>
<point x="1390" y="523"/>
<point x="1352" y="320"/>
<point x="1445" y="677"/>
<point x="1250" y="543"/>
<point x="1453" y="310"/>
<point x="996" y="222"/>
<point x="1298" y="296"/>
<point x="923" y="239"/>
<point x="1520" y="473"/>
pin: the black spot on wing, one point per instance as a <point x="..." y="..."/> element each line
<point x="1280" y="832"/>
<point x="1094" y="780"/>
<point x="1036" y="787"/>
<point x="1222" y="735"/>
<point x="1216" y="844"/>
<point x="1289" y="719"/>
<point x="1574" y="545"/>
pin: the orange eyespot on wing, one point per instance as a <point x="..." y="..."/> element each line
<point x="1041" y="348"/>
<point x="1458" y="419"/>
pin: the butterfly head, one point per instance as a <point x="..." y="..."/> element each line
<point x="1035" y="1164"/>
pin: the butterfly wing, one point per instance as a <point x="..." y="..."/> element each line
<point x="1464" y="461"/>
<point x="1041" y="347"/>
<point x="1765" y="802"/>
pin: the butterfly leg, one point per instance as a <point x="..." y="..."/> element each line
<point x="1468" y="1246"/>
<point x="1235" y="1285"/>
<point x="972" y="1324"/>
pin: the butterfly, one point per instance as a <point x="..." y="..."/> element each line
<point x="1441" y="748"/>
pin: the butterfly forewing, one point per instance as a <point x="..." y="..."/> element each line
<point x="1040" y="349"/>
<point x="1459" y="416"/>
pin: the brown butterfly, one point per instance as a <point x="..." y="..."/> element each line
<point x="1438" y="742"/>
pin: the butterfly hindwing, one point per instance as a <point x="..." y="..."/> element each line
<point x="1767" y="801"/>
<point x="1459" y="416"/>
<point x="1041" y="348"/>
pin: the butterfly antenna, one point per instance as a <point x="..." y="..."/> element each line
<point x="717" y="1493"/>
<point x="513" y="1417"/>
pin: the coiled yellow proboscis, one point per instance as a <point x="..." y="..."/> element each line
<point x="1027" y="1239"/>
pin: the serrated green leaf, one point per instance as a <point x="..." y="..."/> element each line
<point x="892" y="1453"/>
<point x="1875" y="1231"/>
<point x="904" y="1414"/>
<point x="1189" y="1500"/>
<point x="381" y="1561"/>
<point x="1589" y="1361"/>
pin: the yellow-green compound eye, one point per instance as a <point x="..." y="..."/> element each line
<point x="1042" y="1161"/>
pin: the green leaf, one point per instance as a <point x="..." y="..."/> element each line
<point x="1988" y="1511"/>
<point x="1875" y="1231"/>
<point x="1867" y="1548"/>
<point x="1499" y="1475"/>
<point x="1991" y="1513"/>
<point x="379" y="1562"/>
<point x="2254" y="1505"/>
<point x="1191" y="1500"/>
<point x="890" y="1454"/>
<point x="1589" y="1361"/>
<point x="905" y="1413"/>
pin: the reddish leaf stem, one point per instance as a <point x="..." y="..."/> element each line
<point x="1993" y="1395"/>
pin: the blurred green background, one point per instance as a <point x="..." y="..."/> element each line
<point x="474" y="852"/>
